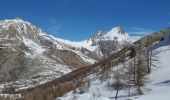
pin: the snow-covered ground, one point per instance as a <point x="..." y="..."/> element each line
<point x="157" y="86"/>
<point x="160" y="78"/>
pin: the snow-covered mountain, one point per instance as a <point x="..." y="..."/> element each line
<point x="112" y="41"/>
<point x="104" y="43"/>
<point x="116" y="33"/>
<point x="30" y="56"/>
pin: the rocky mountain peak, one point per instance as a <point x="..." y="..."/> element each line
<point x="20" y="30"/>
<point x="111" y="41"/>
<point x="15" y="21"/>
<point x="99" y="35"/>
<point x="19" y="19"/>
<point x="115" y="33"/>
<point x="16" y="24"/>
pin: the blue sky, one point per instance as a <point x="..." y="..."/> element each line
<point x="80" y="19"/>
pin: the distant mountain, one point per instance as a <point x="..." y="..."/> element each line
<point x="104" y="43"/>
<point x="112" y="41"/>
<point x="31" y="56"/>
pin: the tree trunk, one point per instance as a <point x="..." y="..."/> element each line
<point x="134" y="71"/>
<point x="129" y="92"/>
<point x="150" y="60"/>
<point x="139" y="91"/>
<point x="116" y="94"/>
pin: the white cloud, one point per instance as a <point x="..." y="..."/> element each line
<point x="140" y="31"/>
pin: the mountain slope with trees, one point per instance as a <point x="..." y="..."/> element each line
<point x="78" y="78"/>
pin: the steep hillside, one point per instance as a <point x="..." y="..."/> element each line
<point x="31" y="57"/>
<point x="157" y="85"/>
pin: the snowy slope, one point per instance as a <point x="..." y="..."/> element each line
<point x="85" y="44"/>
<point x="63" y="44"/>
<point x="157" y="87"/>
<point x="160" y="78"/>
<point x="118" y="33"/>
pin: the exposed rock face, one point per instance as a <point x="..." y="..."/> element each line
<point x="67" y="57"/>
<point x="110" y="42"/>
<point x="26" y="51"/>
